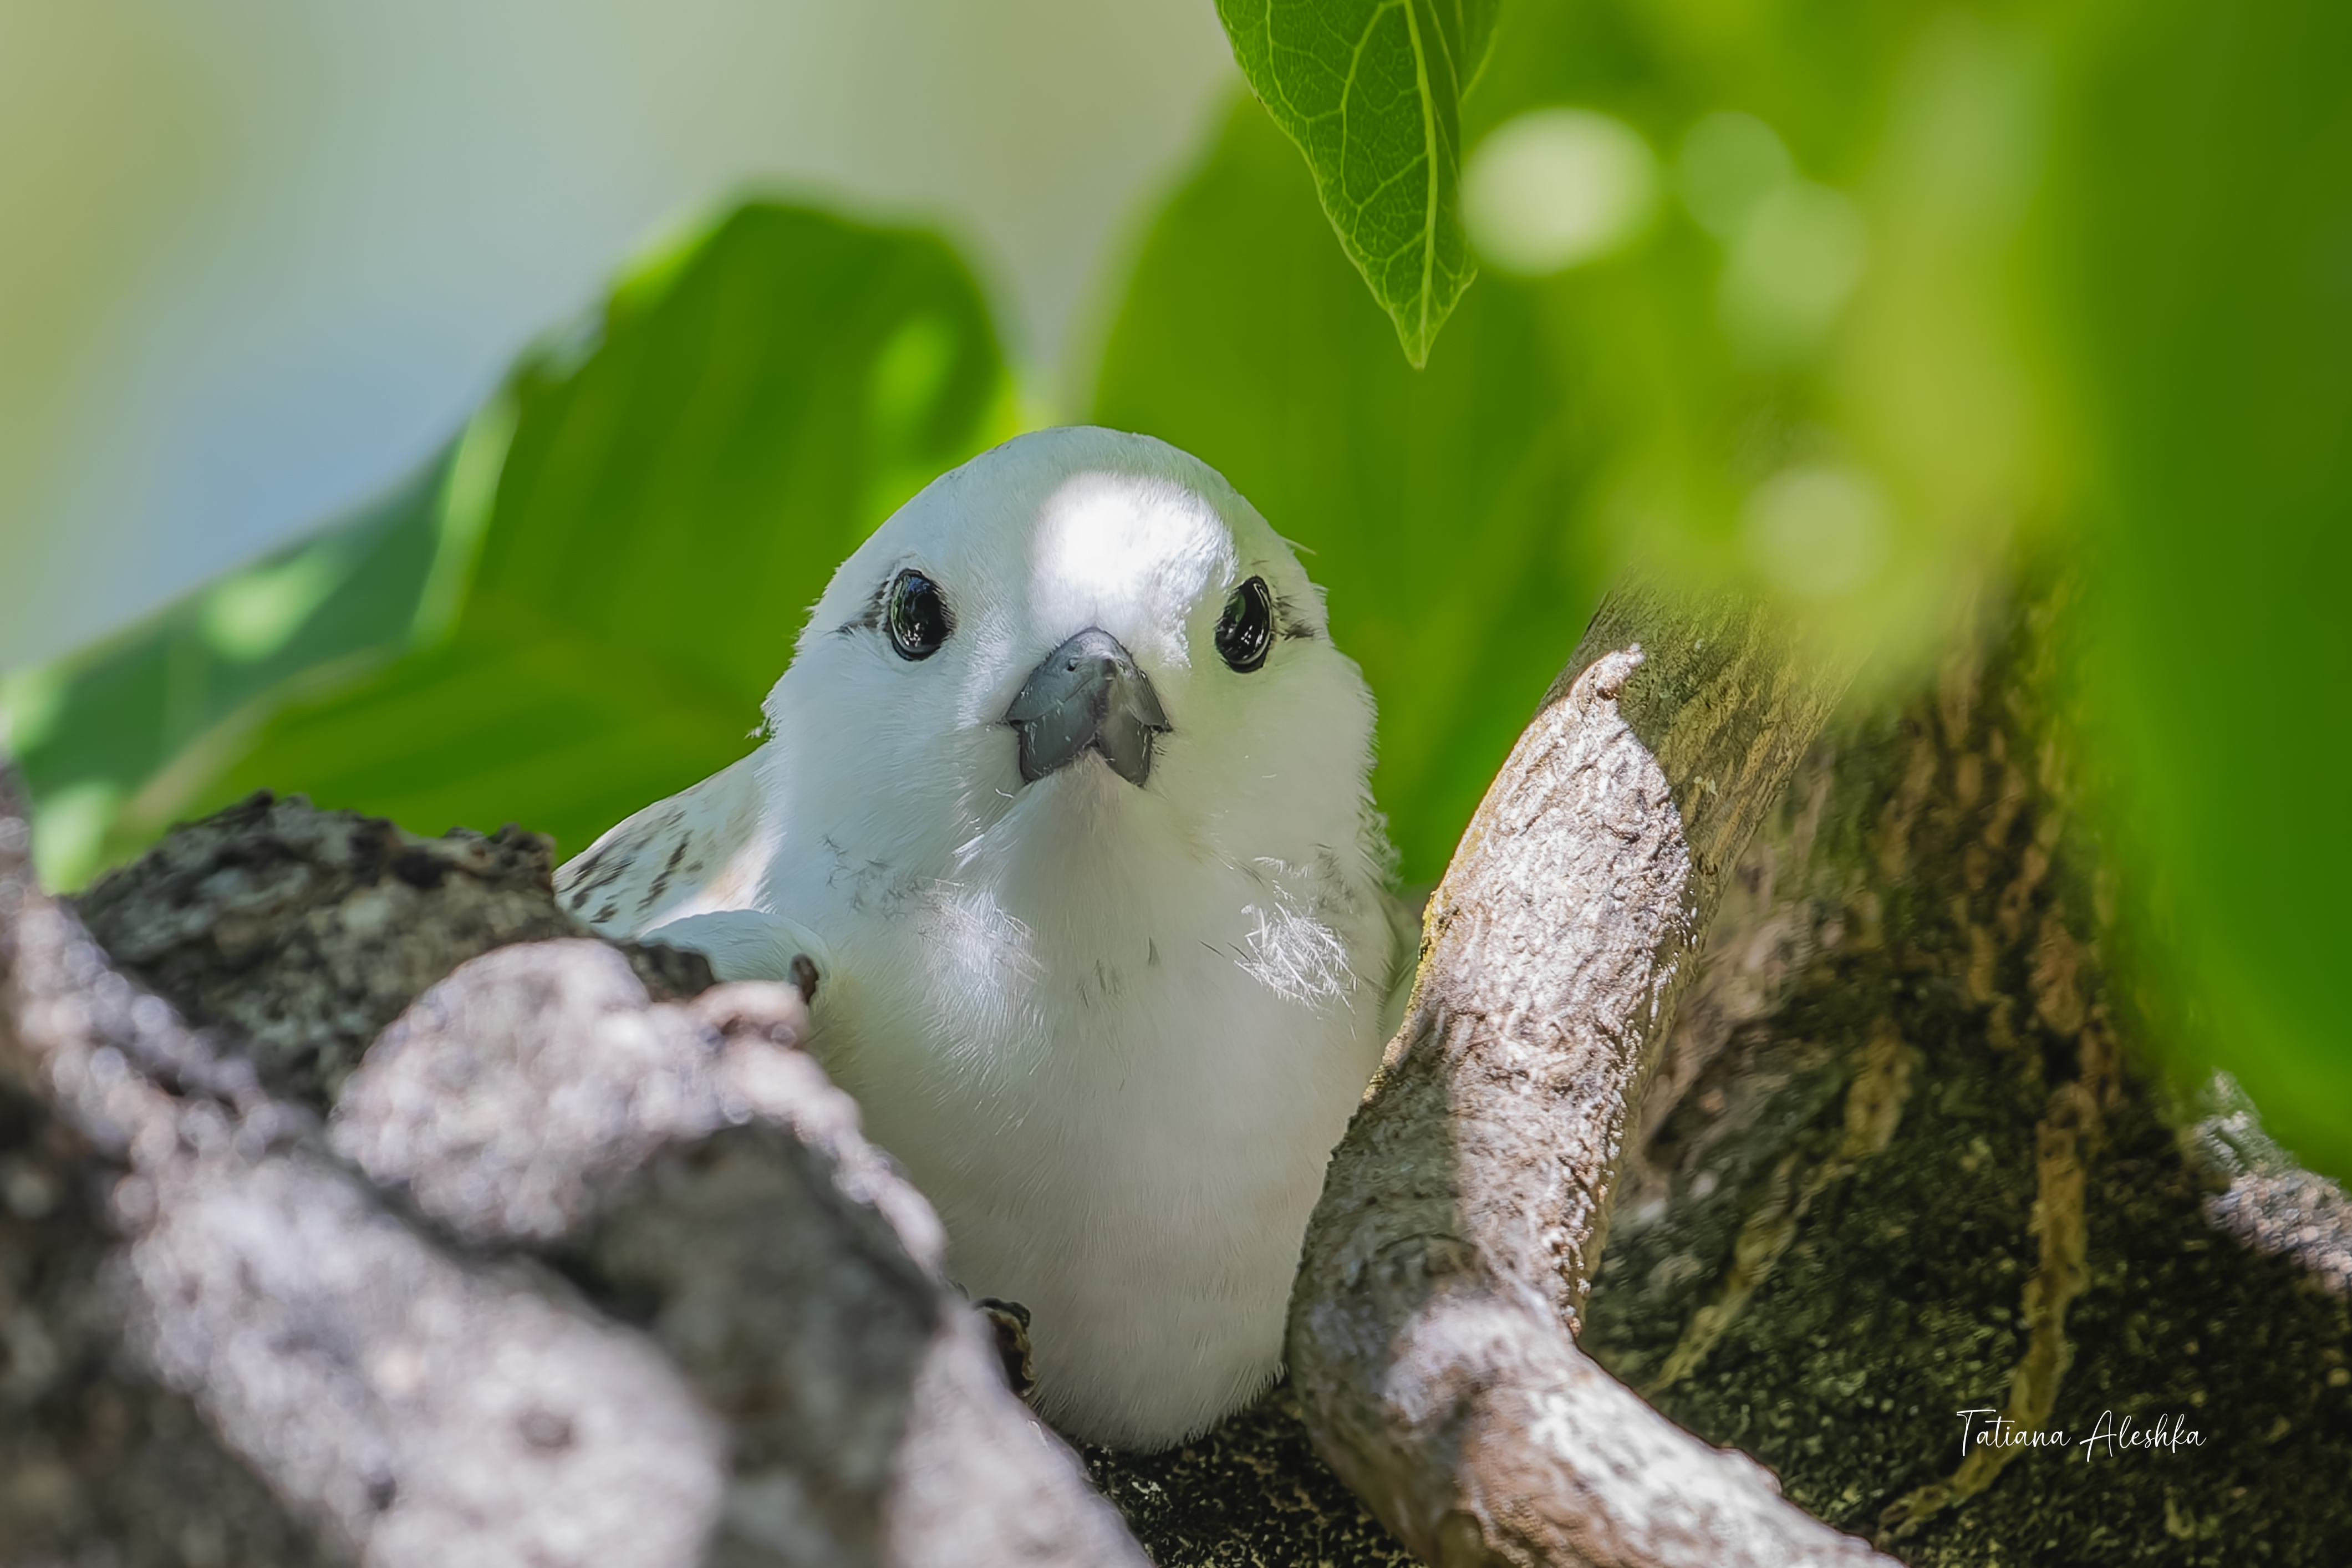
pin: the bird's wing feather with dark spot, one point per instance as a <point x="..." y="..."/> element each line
<point x="693" y="846"/>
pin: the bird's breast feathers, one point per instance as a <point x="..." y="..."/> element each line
<point x="1119" y="1082"/>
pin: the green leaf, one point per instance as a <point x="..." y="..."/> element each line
<point x="1371" y="90"/>
<point x="608" y="571"/>
<point x="1434" y="506"/>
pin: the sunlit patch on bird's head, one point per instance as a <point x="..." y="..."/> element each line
<point x="1129" y="552"/>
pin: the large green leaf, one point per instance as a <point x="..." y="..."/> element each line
<point x="2203" y="219"/>
<point x="1435" y="503"/>
<point x="621" y="550"/>
<point x="1371" y="90"/>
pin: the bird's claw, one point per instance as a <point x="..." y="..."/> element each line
<point x="1011" y="1322"/>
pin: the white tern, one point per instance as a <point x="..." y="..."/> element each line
<point x="1065" y="796"/>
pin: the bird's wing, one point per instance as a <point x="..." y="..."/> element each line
<point x="701" y="850"/>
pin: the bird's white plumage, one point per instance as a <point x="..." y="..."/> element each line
<point x="1111" y="1030"/>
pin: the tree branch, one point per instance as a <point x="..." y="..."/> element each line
<point x="1431" y="1328"/>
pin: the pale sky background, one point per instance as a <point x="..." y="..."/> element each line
<point x="260" y="256"/>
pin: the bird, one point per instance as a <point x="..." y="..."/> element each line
<point x="1065" y="797"/>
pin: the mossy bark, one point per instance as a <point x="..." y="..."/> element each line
<point x="1907" y="1160"/>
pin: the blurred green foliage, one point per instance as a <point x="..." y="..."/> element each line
<point x="1880" y="301"/>
<point x="2199" y="242"/>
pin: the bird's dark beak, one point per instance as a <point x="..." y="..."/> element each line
<point x="1088" y="695"/>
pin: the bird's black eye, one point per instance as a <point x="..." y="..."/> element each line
<point x="919" y="615"/>
<point x="1246" y="629"/>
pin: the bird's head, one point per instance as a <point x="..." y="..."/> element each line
<point x="1077" y="630"/>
